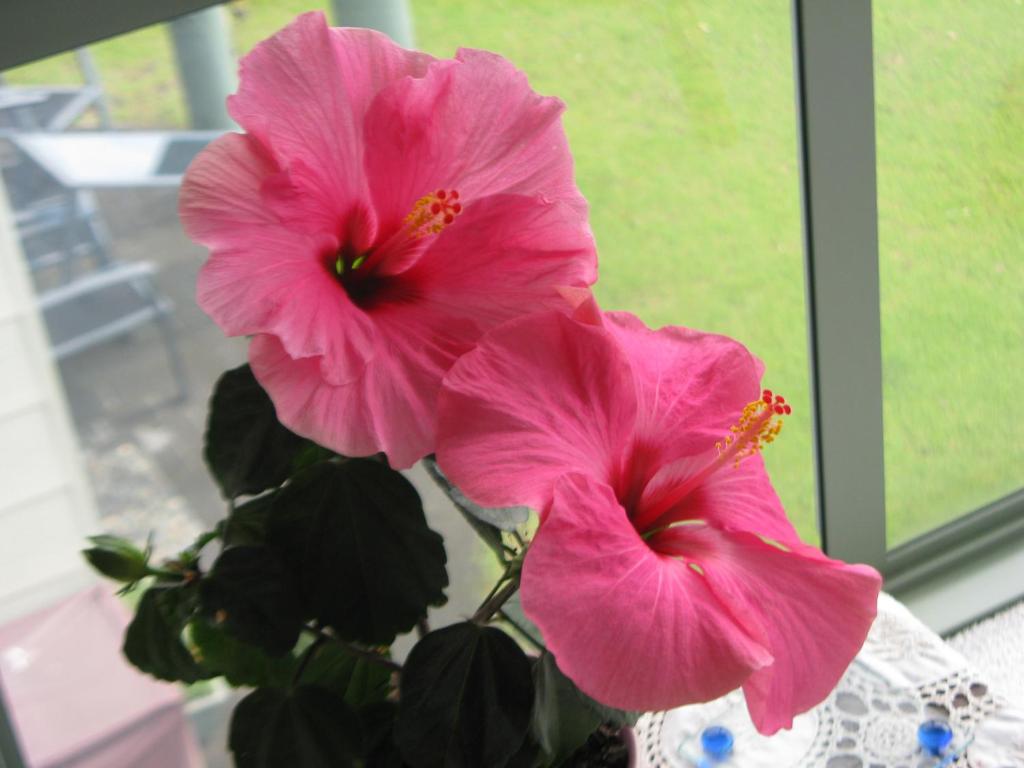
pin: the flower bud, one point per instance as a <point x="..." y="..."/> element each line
<point x="117" y="558"/>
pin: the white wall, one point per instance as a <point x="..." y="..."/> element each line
<point x="46" y="506"/>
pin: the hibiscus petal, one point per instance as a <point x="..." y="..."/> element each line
<point x="304" y="93"/>
<point x="504" y="255"/>
<point x="472" y="124"/>
<point x="732" y="497"/>
<point x="389" y="407"/>
<point x="309" y="405"/>
<point x="633" y="629"/>
<point x="691" y="385"/>
<point x="813" y="613"/>
<point x="220" y="200"/>
<point x="539" y="397"/>
<point x="262" y="277"/>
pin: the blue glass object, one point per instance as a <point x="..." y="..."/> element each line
<point x="716" y="742"/>
<point x="934" y="736"/>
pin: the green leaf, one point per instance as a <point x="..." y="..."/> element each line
<point x="239" y="663"/>
<point x="250" y="591"/>
<point x="356" y="535"/>
<point x="513" y="609"/>
<point x="309" y="727"/>
<point x="378" y="722"/>
<point x="563" y="717"/>
<point x="247" y="523"/>
<point x="466" y="698"/>
<point x="528" y="756"/>
<point x="358" y="681"/>
<point x="494" y="518"/>
<point x="117" y="558"/>
<point x="153" y="641"/>
<point x="247" y="448"/>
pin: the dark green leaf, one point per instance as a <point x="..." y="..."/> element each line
<point x="613" y="716"/>
<point x="153" y="641"/>
<point x="355" y="533"/>
<point x="378" y="735"/>
<point x="239" y="663"/>
<point x="504" y="518"/>
<point x="528" y="756"/>
<point x="513" y="609"/>
<point x="563" y="717"/>
<point x="247" y="448"/>
<point x="251" y="593"/>
<point x="489" y="534"/>
<point x="466" y="697"/>
<point x="307" y="728"/>
<point x="117" y="558"/>
<point x="358" y="681"/>
<point x="247" y="523"/>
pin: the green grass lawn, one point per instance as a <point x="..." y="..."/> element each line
<point x="681" y="119"/>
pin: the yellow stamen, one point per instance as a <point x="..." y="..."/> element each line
<point x="758" y="425"/>
<point x="432" y="213"/>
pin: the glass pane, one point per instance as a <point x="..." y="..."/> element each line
<point x="950" y="123"/>
<point x="102" y="256"/>
<point x="681" y="121"/>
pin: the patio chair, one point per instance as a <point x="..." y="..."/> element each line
<point x="86" y="296"/>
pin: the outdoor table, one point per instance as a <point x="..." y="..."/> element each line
<point x="904" y="675"/>
<point x="51" y="108"/>
<point x="114" y="159"/>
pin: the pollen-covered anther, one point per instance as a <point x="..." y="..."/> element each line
<point x="759" y="424"/>
<point x="432" y="213"/>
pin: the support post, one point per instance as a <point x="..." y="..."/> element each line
<point x="206" y="68"/>
<point x="391" y="17"/>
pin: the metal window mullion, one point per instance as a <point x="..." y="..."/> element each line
<point x="835" y="111"/>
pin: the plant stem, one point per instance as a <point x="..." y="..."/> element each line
<point x="355" y="650"/>
<point x="495" y="600"/>
<point x="307" y="656"/>
<point x="370" y="656"/>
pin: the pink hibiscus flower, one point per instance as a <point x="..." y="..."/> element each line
<point x="383" y="210"/>
<point x="664" y="571"/>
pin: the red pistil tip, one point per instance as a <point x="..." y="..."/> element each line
<point x="432" y="213"/>
<point x="758" y="425"/>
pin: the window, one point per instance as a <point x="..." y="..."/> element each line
<point x="688" y="146"/>
<point x="950" y="116"/>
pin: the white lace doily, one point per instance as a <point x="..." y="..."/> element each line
<point x="904" y="675"/>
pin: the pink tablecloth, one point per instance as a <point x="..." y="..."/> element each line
<point x="75" y="701"/>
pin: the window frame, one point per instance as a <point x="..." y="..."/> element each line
<point x="962" y="571"/>
<point x="954" y="574"/>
